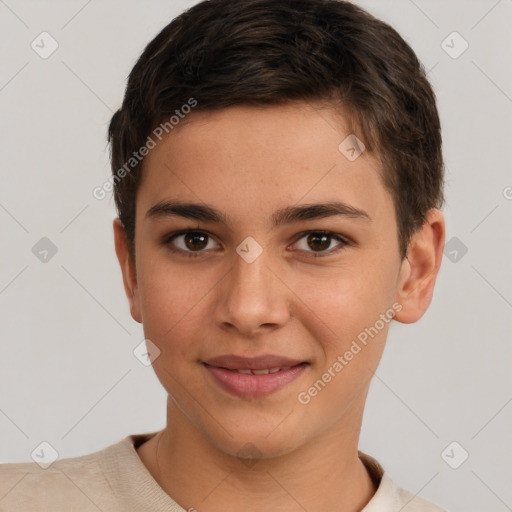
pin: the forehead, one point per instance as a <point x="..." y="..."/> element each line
<point x="254" y="157"/>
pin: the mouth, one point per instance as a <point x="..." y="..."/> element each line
<point x="254" y="377"/>
<point x="265" y="371"/>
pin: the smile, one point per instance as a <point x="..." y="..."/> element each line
<point x="250" y="378"/>
<point x="246" y="371"/>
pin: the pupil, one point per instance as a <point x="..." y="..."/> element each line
<point x="320" y="241"/>
<point x="196" y="238"/>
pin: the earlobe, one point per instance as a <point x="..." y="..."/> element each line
<point x="128" y="269"/>
<point x="419" y="270"/>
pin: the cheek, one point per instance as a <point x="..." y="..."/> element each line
<point x="172" y="302"/>
<point x="342" y="302"/>
<point x="348" y="318"/>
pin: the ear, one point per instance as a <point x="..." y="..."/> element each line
<point x="420" y="268"/>
<point x="128" y="269"/>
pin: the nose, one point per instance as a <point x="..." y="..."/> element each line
<point x="251" y="298"/>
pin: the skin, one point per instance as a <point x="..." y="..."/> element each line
<point x="249" y="162"/>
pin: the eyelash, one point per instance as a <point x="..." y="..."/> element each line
<point x="196" y="254"/>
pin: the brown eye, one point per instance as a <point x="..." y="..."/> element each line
<point x="190" y="243"/>
<point x="196" y="241"/>
<point x="319" y="243"/>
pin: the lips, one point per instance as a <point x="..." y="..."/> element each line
<point x="253" y="377"/>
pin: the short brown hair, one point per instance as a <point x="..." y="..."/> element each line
<point x="269" y="52"/>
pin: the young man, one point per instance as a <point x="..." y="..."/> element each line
<point x="277" y="171"/>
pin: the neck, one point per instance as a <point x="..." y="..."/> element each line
<point x="324" y="474"/>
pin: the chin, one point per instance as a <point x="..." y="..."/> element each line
<point x="254" y="443"/>
<point x="252" y="450"/>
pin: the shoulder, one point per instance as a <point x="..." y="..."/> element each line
<point x="412" y="502"/>
<point x="81" y="481"/>
<point x="389" y="496"/>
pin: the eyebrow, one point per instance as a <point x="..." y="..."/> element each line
<point x="287" y="215"/>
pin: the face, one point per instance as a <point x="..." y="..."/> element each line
<point x="289" y="262"/>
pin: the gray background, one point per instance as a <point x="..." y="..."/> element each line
<point x="68" y="375"/>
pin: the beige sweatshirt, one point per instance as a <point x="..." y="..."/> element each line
<point x="116" y="480"/>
